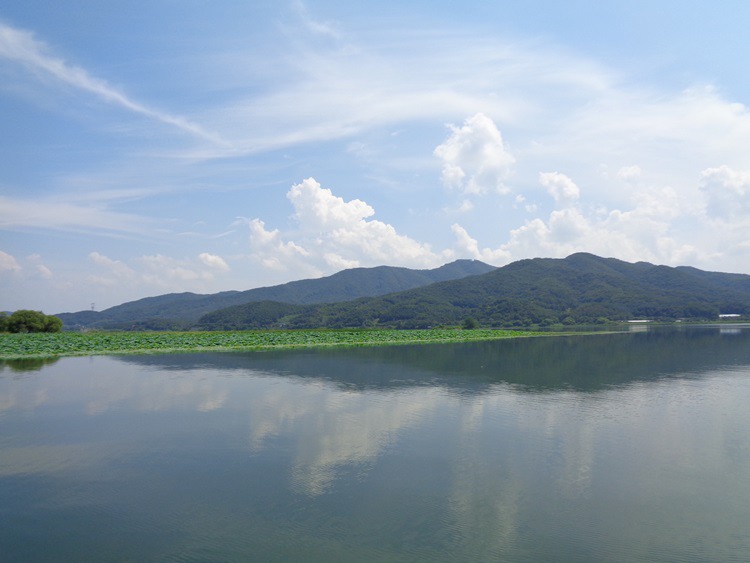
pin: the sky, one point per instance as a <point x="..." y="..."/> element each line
<point x="169" y="146"/>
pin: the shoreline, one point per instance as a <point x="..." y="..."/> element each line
<point x="67" y="344"/>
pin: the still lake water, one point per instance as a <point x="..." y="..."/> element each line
<point x="625" y="447"/>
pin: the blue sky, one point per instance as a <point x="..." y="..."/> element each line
<point x="164" y="146"/>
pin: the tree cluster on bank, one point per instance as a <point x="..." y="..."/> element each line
<point x="25" y="320"/>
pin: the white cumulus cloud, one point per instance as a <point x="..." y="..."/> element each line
<point x="39" y="269"/>
<point x="468" y="247"/>
<point x="165" y="270"/>
<point x="333" y="233"/>
<point x="213" y="261"/>
<point x="317" y="208"/>
<point x="560" y="187"/>
<point x="474" y="157"/>
<point x="116" y="267"/>
<point x="649" y="229"/>
<point x="727" y="193"/>
<point x="629" y="173"/>
<point x="8" y="263"/>
<point x="44" y="271"/>
<point x="275" y="253"/>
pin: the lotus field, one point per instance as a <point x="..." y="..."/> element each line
<point x="41" y="345"/>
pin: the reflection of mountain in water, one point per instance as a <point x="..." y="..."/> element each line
<point x="581" y="363"/>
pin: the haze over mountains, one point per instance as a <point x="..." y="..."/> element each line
<point x="581" y="288"/>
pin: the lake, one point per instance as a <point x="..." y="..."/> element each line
<point x="611" y="447"/>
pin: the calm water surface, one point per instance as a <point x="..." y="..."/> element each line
<point x="626" y="447"/>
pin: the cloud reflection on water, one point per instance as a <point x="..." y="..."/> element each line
<point x="494" y="451"/>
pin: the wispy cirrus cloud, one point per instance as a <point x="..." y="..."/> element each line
<point x="322" y="91"/>
<point x="315" y="26"/>
<point x="22" y="47"/>
<point x="50" y="214"/>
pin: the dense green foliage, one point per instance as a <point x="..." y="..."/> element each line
<point x="25" y="320"/>
<point x="179" y="311"/>
<point x="88" y="343"/>
<point x="469" y="324"/>
<point x="263" y="314"/>
<point x="580" y="289"/>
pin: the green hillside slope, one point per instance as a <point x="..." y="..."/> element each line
<point x="182" y="310"/>
<point x="582" y="288"/>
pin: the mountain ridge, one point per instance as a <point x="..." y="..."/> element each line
<point x="182" y="310"/>
<point x="582" y="288"/>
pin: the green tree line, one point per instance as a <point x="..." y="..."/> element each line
<point x="25" y="320"/>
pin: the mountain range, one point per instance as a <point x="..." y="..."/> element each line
<point x="183" y="310"/>
<point x="582" y="288"/>
<point x="579" y="289"/>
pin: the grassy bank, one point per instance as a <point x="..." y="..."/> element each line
<point x="42" y="345"/>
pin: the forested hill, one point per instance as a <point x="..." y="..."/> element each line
<point x="582" y="288"/>
<point x="182" y="310"/>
